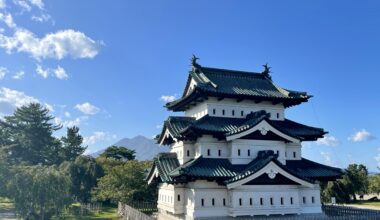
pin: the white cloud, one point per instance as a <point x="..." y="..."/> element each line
<point x="8" y="20"/>
<point x="362" y="135"/>
<point x="168" y="98"/>
<point x="28" y="4"/>
<point x="87" y="108"/>
<point x="327" y="158"/>
<point x="41" y="71"/>
<point x="49" y="107"/>
<point x="67" y="114"/>
<point x="70" y="123"/>
<point x="19" y="75"/>
<point x="60" y="73"/>
<point x="37" y="3"/>
<point x="98" y="136"/>
<point x="159" y="126"/>
<point x="2" y="4"/>
<point x="42" y="18"/>
<point x="12" y="99"/>
<point x="64" y="43"/>
<point x="328" y="141"/>
<point x="3" y="72"/>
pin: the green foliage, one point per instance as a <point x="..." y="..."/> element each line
<point x="72" y="144"/>
<point x="355" y="181"/>
<point x="374" y="184"/>
<point x="125" y="182"/>
<point x="83" y="172"/>
<point x="39" y="192"/>
<point x="119" y="153"/>
<point x="28" y="133"/>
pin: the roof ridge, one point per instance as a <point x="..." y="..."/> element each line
<point x="227" y="71"/>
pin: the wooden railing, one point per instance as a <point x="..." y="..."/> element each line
<point x="137" y="210"/>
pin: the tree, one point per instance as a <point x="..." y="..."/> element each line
<point x="124" y="183"/>
<point x="356" y="180"/>
<point x="29" y="132"/>
<point x="84" y="173"/>
<point x="374" y="184"/>
<point x="119" y="153"/>
<point x="72" y="144"/>
<point x="38" y="191"/>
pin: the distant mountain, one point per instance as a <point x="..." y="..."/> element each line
<point x="145" y="148"/>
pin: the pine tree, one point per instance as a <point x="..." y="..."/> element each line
<point x="72" y="144"/>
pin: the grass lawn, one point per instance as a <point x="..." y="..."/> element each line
<point x="6" y="205"/>
<point x="367" y="204"/>
<point x="107" y="213"/>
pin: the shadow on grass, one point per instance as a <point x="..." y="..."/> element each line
<point x="106" y="213"/>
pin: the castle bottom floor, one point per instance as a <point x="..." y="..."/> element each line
<point x="203" y="199"/>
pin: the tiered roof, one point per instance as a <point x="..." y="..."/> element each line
<point x="223" y="172"/>
<point x="188" y="128"/>
<point x="240" y="85"/>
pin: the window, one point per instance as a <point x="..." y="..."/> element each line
<point x="282" y="201"/>
<point x="242" y="113"/>
<point x="304" y="200"/>
<point x="223" y="112"/>
<point x="214" y="111"/>
<point x="278" y="115"/>
<point x="238" y="152"/>
<point x="224" y="202"/>
<point x="188" y="153"/>
<point x="250" y="201"/>
<point x="291" y="200"/>
<point x="240" y="202"/>
<point x="219" y="153"/>
<point x="278" y="153"/>
<point x="249" y="153"/>
<point x="294" y="154"/>
<point x="203" y="202"/>
<point x="213" y="201"/>
<point x="208" y="152"/>
<point x="312" y="199"/>
<point x="233" y="112"/>
<point x="271" y="201"/>
<point x="261" y="201"/>
<point x="285" y="154"/>
<point x="178" y="198"/>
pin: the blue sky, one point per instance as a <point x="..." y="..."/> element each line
<point x="105" y="67"/>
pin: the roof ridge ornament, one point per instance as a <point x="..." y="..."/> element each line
<point x="194" y="64"/>
<point x="267" y="71"/>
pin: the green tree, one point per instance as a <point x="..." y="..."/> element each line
<point x="374" y="184"/>
<point x="39" y="192"/>
<point x="72" y="144"/>
<point x="118" y="153"/>
<point x="29" y="133"/>
<point x="84" y="173"/>
<point x="124" y="183"/>
<point x="356" y="180"/>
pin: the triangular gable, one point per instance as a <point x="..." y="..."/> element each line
<point x="153" y="174"/>
<point x="263" y="127"/>
<point x="166" y="136"/>
<point x="271" y="169"/>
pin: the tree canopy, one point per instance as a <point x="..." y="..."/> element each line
<point x="119" y="153"/>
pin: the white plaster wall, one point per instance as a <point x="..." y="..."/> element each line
<point x="171" y="198"/>
<point x="207" y="144"/>
<point x="185" y="151"/>
<point x="293" y="149"/>
<point x="228" y="105"/>
<point x="254" y="146"/>
<point x="310" y="206"/>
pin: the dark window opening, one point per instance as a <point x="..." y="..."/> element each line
<point x="208" y="152"/>
<point x="213" y="202"/>
<point x="242" y="113"/>
<point x="250" y="201"/>
<point x="238" y="152"/>
<point x="219" y="153"/>
<point x="291" y="200"/>
<point x="224" y="202"/>
<point x="203" y="202"/>
<point x="271" y="201"/>
<point x="223" y="112"/>
<point x="282" y="201"/>
<point x="278" y="115"/>
<point x="294" y="154"/>
<point x="188" y="153"/>
<point x="178" y="198"/>
<point x="214" y="111"/>
<point x="240" y="202"/>
<point x="278" y="153"/>
<point x="249" y="153"/>
<point x="261" y="201"/>
<point x="312" y="199"/>
<point x="233" y="112"/>
<point x="304" y="200"/>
